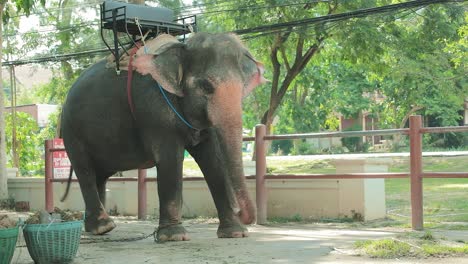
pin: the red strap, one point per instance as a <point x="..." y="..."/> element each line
<point x="129" y="79"/>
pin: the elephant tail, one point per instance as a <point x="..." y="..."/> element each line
<point x="68" y="185"/>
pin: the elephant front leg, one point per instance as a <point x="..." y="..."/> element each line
<point x="170" y="198"/>
<point x="212" y="161"/>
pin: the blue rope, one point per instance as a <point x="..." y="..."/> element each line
<point x="173" y="108"/>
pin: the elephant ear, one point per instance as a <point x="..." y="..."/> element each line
<point x="164" y="65"/>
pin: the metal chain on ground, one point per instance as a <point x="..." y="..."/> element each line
<point x="91" y="241"/>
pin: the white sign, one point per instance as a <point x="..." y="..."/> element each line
<point x="61" y="164"/>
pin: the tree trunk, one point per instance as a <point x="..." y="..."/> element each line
<point x="3" y="170"/>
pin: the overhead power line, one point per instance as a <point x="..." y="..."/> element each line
<point x="267" y="29"/>
<point x="60" y="57"/>
<point x="342" y="16"/>
<point x="205" y="13"/>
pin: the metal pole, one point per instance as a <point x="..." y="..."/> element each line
<point x="416" y="172"/>
<point x="260" y="169"/>
<point x="14" y="141"/>
<point x="142" y="194"/>
<point x="49" y="190"/>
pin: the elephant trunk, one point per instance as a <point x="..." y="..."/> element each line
<point x="238" y="195"/>
<point x="226" y="115"/>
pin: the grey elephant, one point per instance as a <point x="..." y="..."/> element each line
<point x="184" y="96"/>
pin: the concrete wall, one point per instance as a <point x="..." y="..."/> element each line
<point x="286" y="198"/>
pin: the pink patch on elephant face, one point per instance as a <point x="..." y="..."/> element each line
<point x="225" y="107"/>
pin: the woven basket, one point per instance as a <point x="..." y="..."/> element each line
<point x="8" y="239"/>
<point x="53" y="243"/>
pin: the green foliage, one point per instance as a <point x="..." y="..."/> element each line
<point x="281" y="147"/>
<point x="388" y="65"/>
<point x="50" y="130"/>
<point x="7" y="204"/>
<point x="29" y="146"/>
<point x="354" y="144"/>
<point x="18" y="6"/>
<point x="301" y="147"/>
<point x="55" y="91"/>
<point x="296" y="218"/>
<point x="30" y="142"/>
<point x="459" y="48"/>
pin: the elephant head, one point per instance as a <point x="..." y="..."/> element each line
<point x="211" y="74"/>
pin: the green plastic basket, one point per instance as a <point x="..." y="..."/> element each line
<point x="8" y="239"/>
<point x="53" y="243"/>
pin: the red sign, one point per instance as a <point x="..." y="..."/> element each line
<point x="61" y="164"/>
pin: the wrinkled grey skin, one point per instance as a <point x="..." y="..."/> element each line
<point x="205" y="79"/>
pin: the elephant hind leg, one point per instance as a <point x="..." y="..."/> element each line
<point x="101" y="181"/>
<point x="97" y="221"/>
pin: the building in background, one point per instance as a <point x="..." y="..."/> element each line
<point x="40" y="112"/>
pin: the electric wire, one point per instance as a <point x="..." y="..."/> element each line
<point x="207" y="13"/>
<point x="261" y="31"/>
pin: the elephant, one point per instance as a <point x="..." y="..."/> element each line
<point x="184" y="96"/>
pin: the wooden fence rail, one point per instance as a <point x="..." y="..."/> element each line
<point x="416" y="172"/>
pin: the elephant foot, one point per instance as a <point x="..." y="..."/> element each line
<point x="171" y="233"/>
<point x="99" y="226"/>
<point x="237" y="231"/>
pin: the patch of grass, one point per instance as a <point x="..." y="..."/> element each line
<point x="301" y="166"/>
<point x="7" y="204"/>
<point x="436" y="250"/>
<point x="428" y="236"/>
<point x="336" y="220"/>
<point x="445" y="164"/>
<point x="444" y="199"/>
<point x="412" y="244"/>
<point x="386" y="222"/>
<point x="191" y="168"/>
<point x="447" y="226"/>
<point x="385" y="248"/>
<point x="297" y="218"/>
<point x="281" y="220"/>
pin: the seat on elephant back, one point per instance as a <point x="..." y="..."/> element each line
<point x="143" y="47"/>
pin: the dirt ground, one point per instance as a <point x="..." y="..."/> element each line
<point x="282" y="243"/>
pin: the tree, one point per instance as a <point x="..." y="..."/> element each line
<point x="367" y="55"/>
<point x="29" y="148"/>
<point x="72" y="32"/>
<point x="5" y="9"/>
<point x="288" y="52"/>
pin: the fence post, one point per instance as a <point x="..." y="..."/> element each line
<point x="142" y="194"/>
<point x="416" y="172"/>
<point x="49" y="188"/>
<point x="260" y="171"/>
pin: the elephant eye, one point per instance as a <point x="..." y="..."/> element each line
<point x="206" y="86"/>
